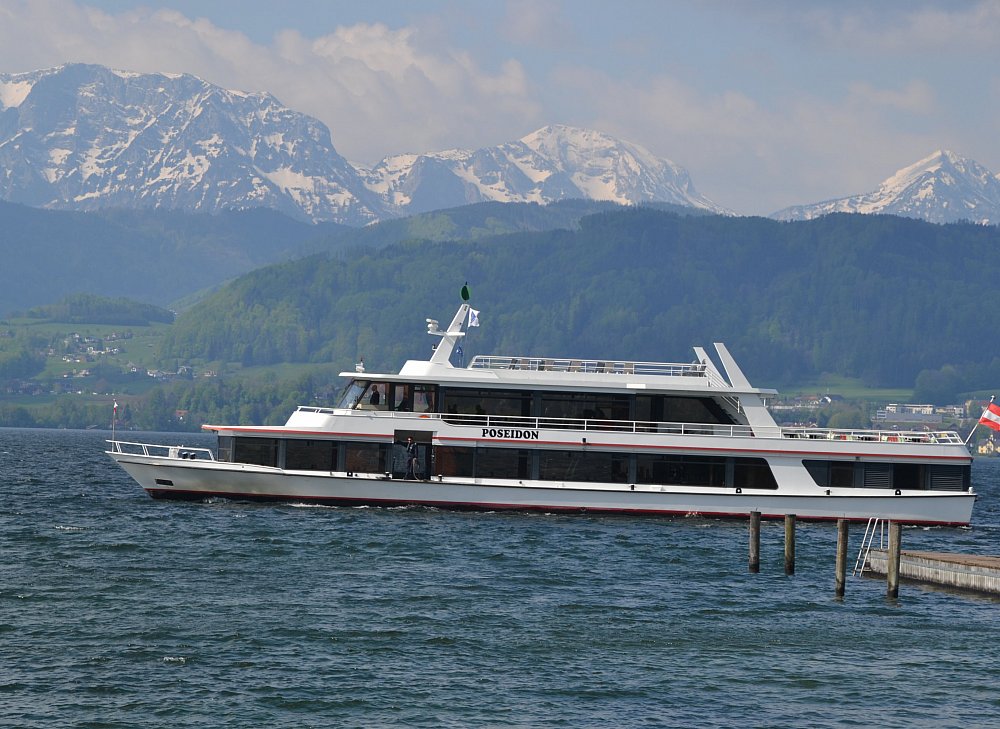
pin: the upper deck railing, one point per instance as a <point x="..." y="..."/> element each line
<point x="640" y="426"/>
<point x="618" y="367"/>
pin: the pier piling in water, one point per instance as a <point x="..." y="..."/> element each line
<point x="789" y="544"/>
<point x="754" y="541"/>
<point x="892" y="569"/>
<point x="841" y="556"/>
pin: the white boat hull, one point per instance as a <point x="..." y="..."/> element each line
<point x="175" y="478"/>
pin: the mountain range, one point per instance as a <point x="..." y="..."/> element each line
<point x="85" y="137"/>
<point x="941" y="188"/>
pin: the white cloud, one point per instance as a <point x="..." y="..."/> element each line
<point x="378" y="90"/>
<point x="907" y="28"/>
<point x="771" y="138"/>
<point x="756" y="158"/>
<point x="916" y="97"/>
<point x="536" y="22"/>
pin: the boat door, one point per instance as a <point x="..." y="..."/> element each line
<point x="425" y="453"/>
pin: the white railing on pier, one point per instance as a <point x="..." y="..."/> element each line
<point x="162" y="451"/>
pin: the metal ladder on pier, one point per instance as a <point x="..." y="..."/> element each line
<point x="875" y="526"/>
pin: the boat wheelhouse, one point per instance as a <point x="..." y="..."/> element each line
<point x="567" y="435"/>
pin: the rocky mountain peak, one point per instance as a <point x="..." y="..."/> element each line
<point x="943" y="187"/>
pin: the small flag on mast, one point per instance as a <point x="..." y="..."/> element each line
<point x="473" y="317"/>
<point x="991" y="416"/>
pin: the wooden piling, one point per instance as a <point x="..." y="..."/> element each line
<point x="841" y="556"/>
<point x="789" y="544"/>
<point x="754" y="541"/>
<point x="892" y="569"/>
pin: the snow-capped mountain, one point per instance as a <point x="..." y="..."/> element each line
<point x="83" y="137"/>
<point x="941" y="188"/>
<point x="552" y="163"/>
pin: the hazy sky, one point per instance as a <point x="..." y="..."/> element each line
<point x="767" y="104"/>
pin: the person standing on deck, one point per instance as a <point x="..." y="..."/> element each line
<point x="411" y="459"/>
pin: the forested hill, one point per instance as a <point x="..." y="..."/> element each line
<point x="877" y="297"/>
<point x="153" y="256"/>
<point x="164" y="256"/>
<point x="485" y="219"/>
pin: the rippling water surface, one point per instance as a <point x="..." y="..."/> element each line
<point x="120" y="611"/>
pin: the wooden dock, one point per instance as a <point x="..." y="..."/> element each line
<point x="969" y="572"/>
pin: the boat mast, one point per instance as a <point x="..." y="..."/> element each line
<point x="442" y="353"/>
<point x="752" y="405"/>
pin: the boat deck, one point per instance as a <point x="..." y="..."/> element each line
<point x="640" y="426"/>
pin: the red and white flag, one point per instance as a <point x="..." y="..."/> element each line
<point x="991" y="416"/>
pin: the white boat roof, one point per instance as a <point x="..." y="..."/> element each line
<point x="567" y="373"/>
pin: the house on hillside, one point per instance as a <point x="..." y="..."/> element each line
<point x="908" y="413"/>
<point x="989" y="448"/>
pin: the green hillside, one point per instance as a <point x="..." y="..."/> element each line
<point x="152" y="256"/>
<point x="861" y="303"/>
<point x="878" y="298"/>
<point x="481" y="220"/>
<point x="170" y="258"/>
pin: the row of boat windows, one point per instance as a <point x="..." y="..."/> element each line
<point x="582" y="466"/>
<point x="847" y="474"/>
<point x="421" y="398"/>
<point x="509" y="463"/>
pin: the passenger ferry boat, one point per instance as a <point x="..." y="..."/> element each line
<point x="567" y="435"/>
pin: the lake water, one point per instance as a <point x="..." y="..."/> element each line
<point x="120" y="611"/>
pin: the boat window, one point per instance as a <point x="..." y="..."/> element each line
<point x="877" y="475"/>
<point x="906" y="476"/>
<point x="351" y="396"/>
<point x="502" y="463"/>
<point x="669" y="409"/>
<point x="225" y="448"/>
<point x="583" y="466"/>
<point x="486" y="402"/>
<point x="424" y="398"/>
<point x="753" y="473"/>
<point x="585" y="406"/>
<point x="258" y="451"/>
<point x="311" y="455"/>
<point x="841" y="474"/>
<point x="832" y="474"/>
<point x="410" y="398"/>
<point x="949" y="478"/>
<point x="680" y="470"/>
<point x="365" y="458"/>
<point x="399" y="460"/>
<point x="455" y="461"/>
<point x="374" y="397"/>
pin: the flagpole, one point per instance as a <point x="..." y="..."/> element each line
<point x="992" y="397"/>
